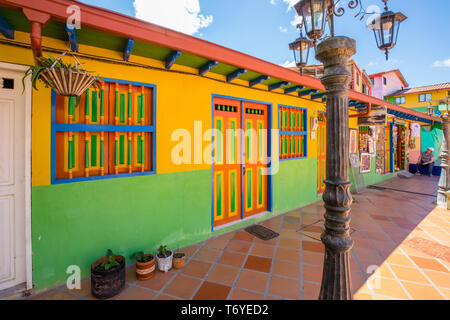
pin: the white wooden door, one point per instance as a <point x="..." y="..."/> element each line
<point x="12" y="180"/>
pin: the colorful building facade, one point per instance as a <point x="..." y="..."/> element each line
<point x="386" y="83"/>
<point x="183" y="140"/>
<point x="421" y="98"/>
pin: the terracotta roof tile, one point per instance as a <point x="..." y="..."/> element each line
<point x="434" y="87"/>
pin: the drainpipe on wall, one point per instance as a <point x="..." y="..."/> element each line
<point x="365" y="114"/>
<point x="37" y="20"/>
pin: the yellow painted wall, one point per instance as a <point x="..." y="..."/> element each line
<point x="412" y="100"/>
<point x="181" y="100"/>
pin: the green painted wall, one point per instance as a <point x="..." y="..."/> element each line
<point x="295" y="184"/>
<point x="371" y="177"/>
<point x="75" y="223"/>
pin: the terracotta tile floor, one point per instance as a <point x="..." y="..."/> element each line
<point x="401" y="251"/>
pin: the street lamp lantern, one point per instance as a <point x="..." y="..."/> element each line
<point x="385" y="29"/>
<point x="314" y="15"/>
<point x="300" y="48"/>
<point x="430" y="110"/>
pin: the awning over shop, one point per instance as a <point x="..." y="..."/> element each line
<point x="407" y="116"/>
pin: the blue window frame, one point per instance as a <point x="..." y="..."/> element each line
<point x="129" y="148"/>
<point x="293" y="132"/>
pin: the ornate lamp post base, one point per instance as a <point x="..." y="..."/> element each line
<point x="334" y="53"/>
<point x="444" y="180"/>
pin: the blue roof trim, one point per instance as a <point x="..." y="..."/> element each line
<point x="235" y="74"/>
<point x="258" y="80"/>
<point x="278" y="85"/>
<point x="293" y="89"/>
<point x="6" y="29"/>
<point x="171" y="58"/>
<point x="128" y="49"/>
<point x="73" y="40"/>
<point x="207" y="67"/>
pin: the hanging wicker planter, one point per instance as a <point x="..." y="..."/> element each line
<point x="65" y="79"/>
<point x="67" y="82"/>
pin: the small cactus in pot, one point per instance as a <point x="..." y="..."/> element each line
<point x="164" y="258"/>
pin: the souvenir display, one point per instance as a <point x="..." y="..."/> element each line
<point x="366" y="162"/>
<point x="380" y="150"/>
<point x="364" y="133"/>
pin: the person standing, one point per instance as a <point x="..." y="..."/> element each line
<point x="426" y="162"/>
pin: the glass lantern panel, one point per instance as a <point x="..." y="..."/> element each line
<point x="318" y="12"/>
<point x="306" y="14"/>
<point x="387" y="30"/>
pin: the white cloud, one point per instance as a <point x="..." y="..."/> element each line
<point x="179" y="15"/>
<point x="283" y="29"/>
<point x="442" y="63"/>
<point x="288" y="64"/>
<point x="291" y="3"/>
<point x="297" y="20"/>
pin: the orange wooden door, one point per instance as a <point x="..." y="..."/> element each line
<point x="227" y="161"/>
<point x="321" y="152"/>
<point x="254" y="154"/>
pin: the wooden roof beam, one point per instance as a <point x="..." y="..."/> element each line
<point x="207" y="67"/>
<point x="172" y="58"/>
<point x="235" y="74"/>
<point x="258" y="80"/>
<point x="128" y="49"/>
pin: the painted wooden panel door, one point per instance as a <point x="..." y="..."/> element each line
<point x="321" y="152"/>
<point x="255" y="155"/>
<point x="12" y="180"/>
<point x="227" y="161"/>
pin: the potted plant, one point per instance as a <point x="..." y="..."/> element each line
<point x="164" y="258"/>
<point x="64" y="78"/>
<point x="108" y="275"/>
<point x="179" y="260"/>
<point x="145" y="265"/>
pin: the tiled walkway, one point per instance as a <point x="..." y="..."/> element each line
<point x="400" y="235"/>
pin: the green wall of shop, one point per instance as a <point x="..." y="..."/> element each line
<point x="370" y="177"/>
<point x="75" y="223"/>
<point x="295" y="184"/>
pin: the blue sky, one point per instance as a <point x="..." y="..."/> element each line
<point x="262" y="28"/>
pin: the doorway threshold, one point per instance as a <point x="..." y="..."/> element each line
<point x="14" y="293"/>
<point x="240" y="221"/>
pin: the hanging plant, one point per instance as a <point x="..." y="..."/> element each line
<point x="64" y="78"/>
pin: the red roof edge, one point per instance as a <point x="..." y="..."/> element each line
<point x="129" y="27"/>
<point x="397" y="71"/>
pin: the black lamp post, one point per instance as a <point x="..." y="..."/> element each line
<point x="386" y="28"/>
<point x="334" y="53"/>
<point x="300" y="48"/>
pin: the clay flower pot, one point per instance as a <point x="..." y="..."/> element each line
<point x="145" y="270"/>
<point x="164" y="264"/>
<point x="179" y="260"/>
<point x="107" y="283"/>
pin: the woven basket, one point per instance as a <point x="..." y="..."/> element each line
<point x="67" y="82"/>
